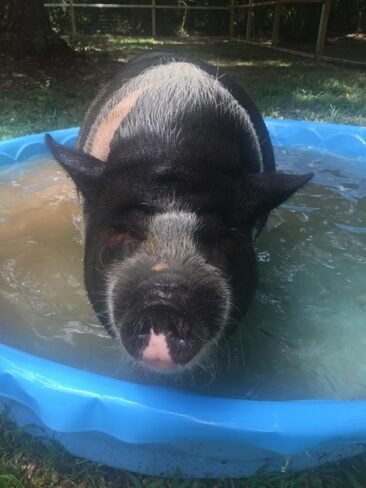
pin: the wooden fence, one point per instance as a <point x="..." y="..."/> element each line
<point x="232" y="8"/>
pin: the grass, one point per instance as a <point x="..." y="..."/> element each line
<point x="43" y="96"/>
<point x="37" y="97"/>
<point x="25" y="462"/>
<point x="350" y="46"/>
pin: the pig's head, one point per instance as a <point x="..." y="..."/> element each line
<point x="169" y="258"/>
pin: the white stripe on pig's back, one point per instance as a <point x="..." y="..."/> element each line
<point x="154" y="101"/>
<point x="101" y="142"/>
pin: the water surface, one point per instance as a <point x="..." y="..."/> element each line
<point x="304" y="337"/>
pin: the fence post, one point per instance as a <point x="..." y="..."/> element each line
<point x="73" y="23"/>
<point x="232" y="18"/>
<point x="276" y="23"/>
<point x="153" y="17"/>
<point x="248" y="35"/>
<point x="323" y="28"/>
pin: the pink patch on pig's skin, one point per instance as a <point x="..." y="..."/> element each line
<point x="123" y="237"/>
<point x="102" y="139"/>
<point x="156" y="353"/>
<point x="111" y="238"/>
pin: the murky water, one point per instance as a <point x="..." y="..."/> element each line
<point x="304" y="337"/>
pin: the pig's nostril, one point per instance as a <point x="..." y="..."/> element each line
<point x="144" y="330"/>
<point x="184" y="349"/>
<point x="143" y="337"/>
<point x="173" y="332"/>
<point x="179" y="341"/>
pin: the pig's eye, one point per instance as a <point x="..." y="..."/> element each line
<point x="127" y="239"/>
<point x="121" y="235"/>
<point x="228" y="241"/>
<point x="208" y="237"/>
<point x="214" y="236"/>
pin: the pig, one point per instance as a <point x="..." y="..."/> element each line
<point x="176" y="176"/>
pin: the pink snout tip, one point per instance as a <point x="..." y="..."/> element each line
<point x="156" y="354"/>
<point x="160" y="365"/>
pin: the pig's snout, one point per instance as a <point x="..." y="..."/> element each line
<point x="162" y="338"/>
<point x="166" y="319"/>
<point x="156" y="354"/>
<point x="162" y="343"/>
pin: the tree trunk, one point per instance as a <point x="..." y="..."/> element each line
<point x="361" y="10"/>
<point x="31" y="33"/>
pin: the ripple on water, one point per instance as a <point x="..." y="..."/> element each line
<point x="304" y="336"/>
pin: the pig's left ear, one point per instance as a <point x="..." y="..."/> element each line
<point x="268" y="190"/>
<point x="83" y="168"/>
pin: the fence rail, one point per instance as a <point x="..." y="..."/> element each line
<point x="147" y="6"/>
<point x="232" y="8"/>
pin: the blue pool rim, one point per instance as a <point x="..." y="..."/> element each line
<point x="159" y="431"/>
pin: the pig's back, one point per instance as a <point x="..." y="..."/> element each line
<point x="162" y="96"/>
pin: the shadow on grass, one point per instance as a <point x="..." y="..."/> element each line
<point x="38" y="97"/>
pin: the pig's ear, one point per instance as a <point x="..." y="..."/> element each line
<point x="268" y="190"/>
<point x="83" y="168"/>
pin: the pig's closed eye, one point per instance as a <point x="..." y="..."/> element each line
<point x="121" y="234"/>
<point x="225" y="239"/>
<point x="124" y="238"/>
<point x="132" y="211"/>
<point x="228" y="241"/>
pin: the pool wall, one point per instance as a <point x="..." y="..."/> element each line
<point x="155" y="430"/>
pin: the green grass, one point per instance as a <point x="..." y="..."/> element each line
<point x="37" y="97"/>
<point x="25" y="462"/>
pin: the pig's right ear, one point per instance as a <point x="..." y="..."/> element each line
<point x="84" y="169"/>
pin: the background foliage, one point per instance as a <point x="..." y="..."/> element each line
<point x="299" y="22"/>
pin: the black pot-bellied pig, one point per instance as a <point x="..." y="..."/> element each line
<point x="176" y="175"/>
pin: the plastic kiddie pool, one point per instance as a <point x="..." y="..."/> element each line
<point x="157" y="431"/>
